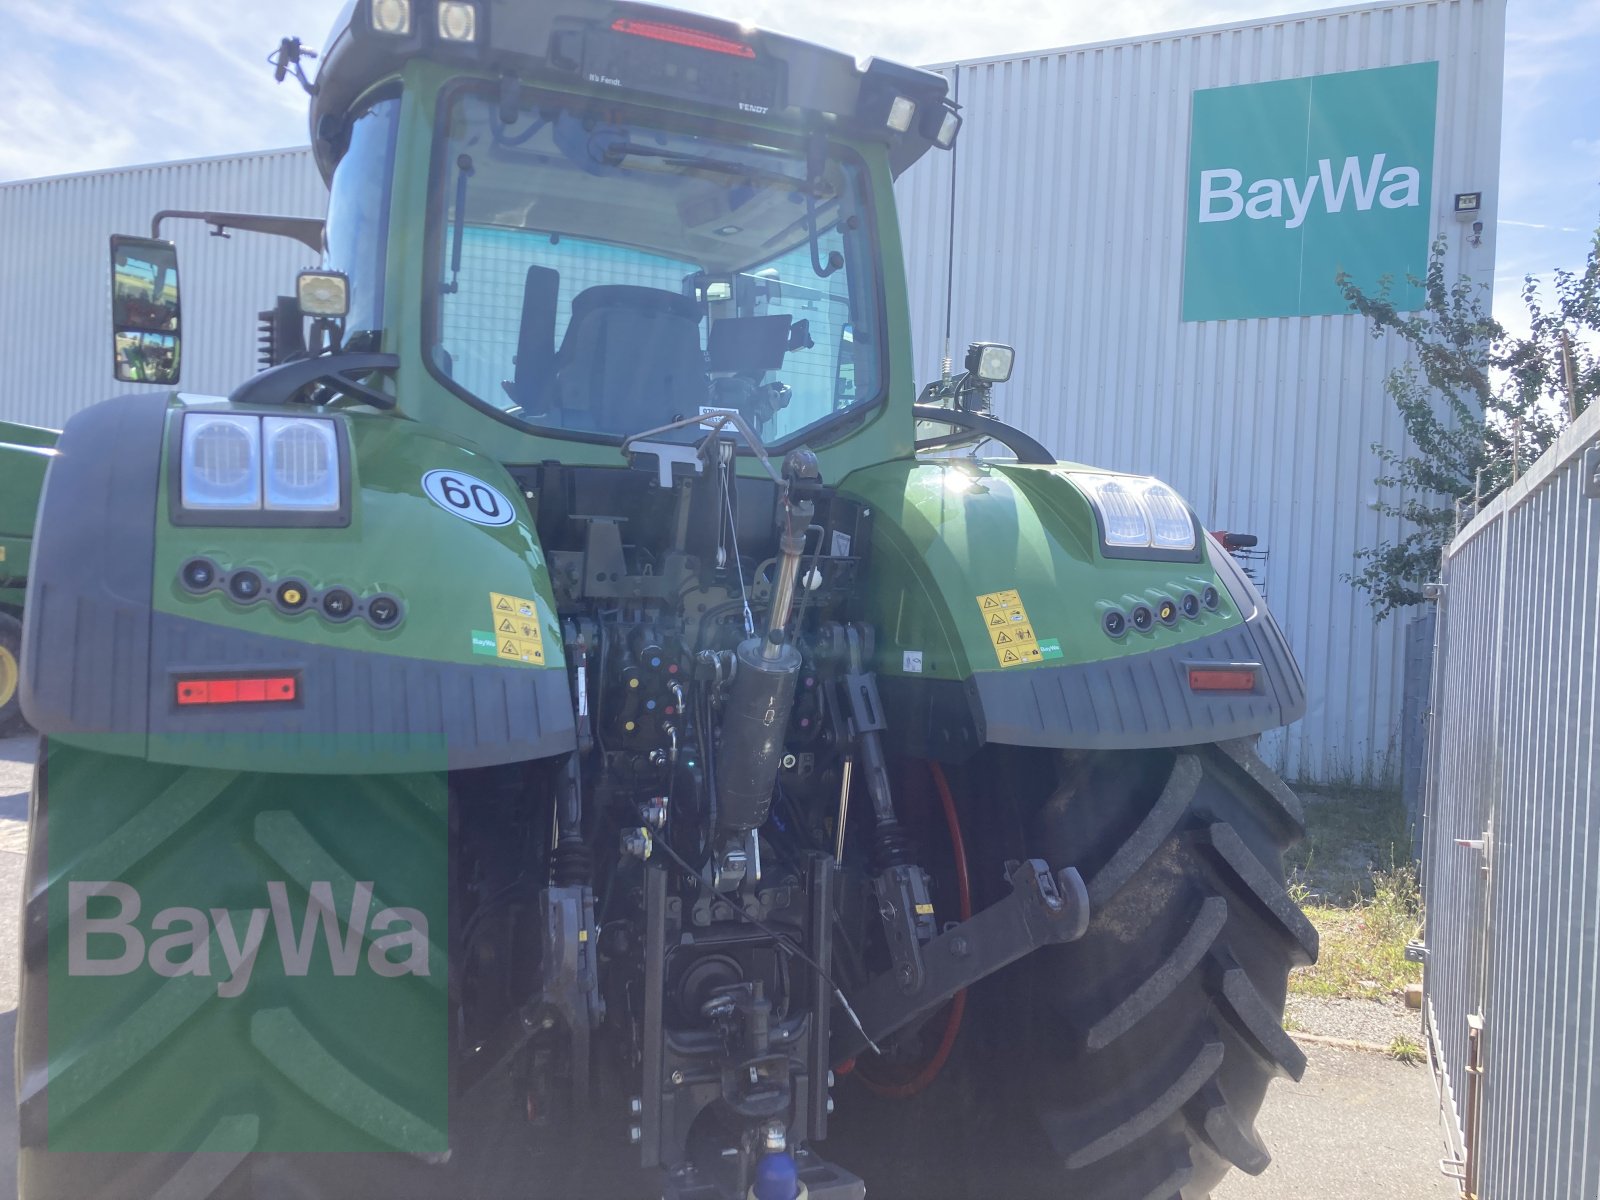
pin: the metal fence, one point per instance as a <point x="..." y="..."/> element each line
<point x="1512" y="835"/>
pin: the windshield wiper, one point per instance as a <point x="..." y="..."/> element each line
<point x="702" y="162"/>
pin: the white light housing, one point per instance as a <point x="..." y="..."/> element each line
<point x="1171" y="526"/>
<point x="901" y="113"/>
<point x="458" y="22"/>
<point x="948" y="128"/>
<point x="323" y="293"/>
<point x="991" y="361"/>
<point x="1121" y="515"/>
<point x="302" y="464"/>
<point x="1138" y="512"/>
<point x="392" y="17"/>
<point x="221" y="463"/>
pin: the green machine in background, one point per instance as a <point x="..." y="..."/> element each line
<point x="25" y="452"/>
<point x="578" y="723"/>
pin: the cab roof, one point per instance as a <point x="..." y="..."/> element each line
<point x="642" y="50"/>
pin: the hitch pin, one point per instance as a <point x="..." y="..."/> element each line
<point x="844" y="810"/>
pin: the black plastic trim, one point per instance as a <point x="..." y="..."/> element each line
<point x="280" y="384"/>
<point x="1027" y="450"/>
<point x="1133" y="702"/>
<point x="485" y="715"/>
<point x="89" y="582"/>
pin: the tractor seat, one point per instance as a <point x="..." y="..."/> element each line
<point x="631" y="359"/>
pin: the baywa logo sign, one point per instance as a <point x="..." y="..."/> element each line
<point x="1295" y="181"/>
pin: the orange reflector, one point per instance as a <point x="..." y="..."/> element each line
<point x="680" y="35"/>
<point x="251" y="689"/>
<point x="1222" y="679"/>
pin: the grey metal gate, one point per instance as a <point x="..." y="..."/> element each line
<point x="1511" y="840"/>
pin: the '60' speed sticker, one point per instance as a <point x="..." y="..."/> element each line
<point x="468" y="497"/>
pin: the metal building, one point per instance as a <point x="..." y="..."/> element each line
<point x="1063" y="224"/>
<point x="1068" y="239"/>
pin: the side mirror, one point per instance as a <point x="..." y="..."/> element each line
<point x="146" y="322"/>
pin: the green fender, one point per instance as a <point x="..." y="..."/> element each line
<point x="112" y="628"/>
<point x="988" y="588"/>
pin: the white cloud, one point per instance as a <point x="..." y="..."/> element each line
<point x="105" y="86"/>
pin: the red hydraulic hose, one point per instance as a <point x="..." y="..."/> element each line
<point x="929" y="1071"/>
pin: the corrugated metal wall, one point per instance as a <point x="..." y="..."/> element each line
<point x="1070" y="192"/>
<point x="1512" y="927"/>
<point x="55" y="261"/>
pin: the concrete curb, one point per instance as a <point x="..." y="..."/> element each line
<point x="1317" y="1039"/>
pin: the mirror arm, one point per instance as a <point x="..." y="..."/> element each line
<point x="280" y="384"/>
<point x="305" y="230"/>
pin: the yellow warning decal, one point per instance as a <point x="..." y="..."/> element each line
<point x="1010" y="631"/>
<point x="517" y="634"/>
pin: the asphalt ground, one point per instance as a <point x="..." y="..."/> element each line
<point x="1360" y="1126"/>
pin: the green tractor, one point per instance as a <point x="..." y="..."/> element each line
<point x="25" y="452"/>
<point x="579" y="724"/>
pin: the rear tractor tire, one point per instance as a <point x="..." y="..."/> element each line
<point x="1129" y="1065"/>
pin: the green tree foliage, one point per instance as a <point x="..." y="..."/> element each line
<point x="1479" y="404"/>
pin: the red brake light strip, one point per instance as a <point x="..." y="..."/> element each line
<point x="680" y="35"/>
<point x="254" y="689"/>
<point x="1222" y="679"/>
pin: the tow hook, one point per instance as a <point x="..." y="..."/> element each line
<point x="1044" y="908"/>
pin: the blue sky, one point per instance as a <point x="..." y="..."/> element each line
<point x="104" y="85"/>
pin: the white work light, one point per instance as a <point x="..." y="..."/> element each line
<point x="458" y="22"/>
<point x="1171" y="526"/>
<point x="221" y="468"/>
<point x="302" y="456"/>
<point x="221" y="463"/>
<point x="1137" y="512"/>
<point x="901" y="113"/>
<point x="392" y="17"/>
<point x="949" y="127"/>
<point x="991" y="361"/>
<point x="323" y="293"/>
<point x="1122" y="518"/>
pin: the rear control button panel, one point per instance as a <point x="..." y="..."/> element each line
<point x="246" y="586"/>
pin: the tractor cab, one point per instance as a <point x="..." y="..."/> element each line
<point x="584" y="221"/>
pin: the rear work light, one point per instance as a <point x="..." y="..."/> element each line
<point x="680" y="35"/>
<point x="1222" y="679"/>
<point x="240" y="689"/>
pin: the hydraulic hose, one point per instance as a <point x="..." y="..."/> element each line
<point x="929" y="1071"/>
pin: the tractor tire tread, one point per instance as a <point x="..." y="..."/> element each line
<point x="1203" y="933"/>
<point x="1267" y="891"/>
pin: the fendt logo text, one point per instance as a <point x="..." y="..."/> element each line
<point x="1223" y="196"/>
<point x="113" y="945"/>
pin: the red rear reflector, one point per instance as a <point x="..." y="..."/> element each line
<point x="1222" y="679"/>
<point x="680" y="35"/>
<point x="255" y="689"/>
